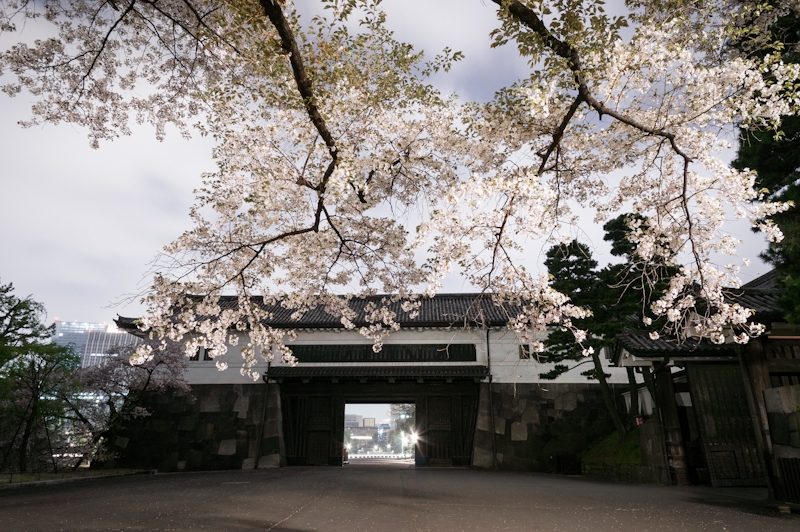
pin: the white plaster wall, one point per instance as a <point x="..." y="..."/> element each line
<point x="506" y="366"/>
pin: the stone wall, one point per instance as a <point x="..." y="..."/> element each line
<point x="538" y="427"/>
<point x="783" y="411"/>
<point x="217" y="428"/>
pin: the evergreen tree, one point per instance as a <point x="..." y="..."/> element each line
<point x="574" y="272"/>
<point x="776" y="159"/>
<point x="613" y="294"/>
<point x="33" y="417"/>
<point x="21" y="323"/>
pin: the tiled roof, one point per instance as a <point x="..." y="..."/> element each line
<point x="763" y="301"/>
<point x="441" y="310"/>
<point x="768" y="281"/>
<point x="459" y="310"/>
<point x="452" y="371"/>
<point x="640" y="344"/>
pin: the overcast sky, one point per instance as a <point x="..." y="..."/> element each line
<point x="78" y="226"/>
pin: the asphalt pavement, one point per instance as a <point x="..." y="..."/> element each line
<point x="385" y="499"/>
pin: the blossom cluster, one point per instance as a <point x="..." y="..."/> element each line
<point x="342" y="172"/>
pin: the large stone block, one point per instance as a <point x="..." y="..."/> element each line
<point x="484" y="422"/>
<point x="187" y="423"/>
<point x="271" y="461"/>
<point x="483" y="439"/>
<point x="567" y="402"/>
<point x="209" y="404"/>
<point x="482" y="458"/>
<point x="550" y="391"/>
<point x="227" y="447"/>
<point x="783" y="400"/>
<point x="519" y="431"/>
<point x="483" y="402"/>
<point x="531" y="414"/>
<point x="273" y="428"/>
<point x="241" y="405"/>
<point x="499" y="425"/>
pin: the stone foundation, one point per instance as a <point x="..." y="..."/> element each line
<point x="216" y="429"/>
<point x="534" y="427"/>
<point x="538" y="427"/>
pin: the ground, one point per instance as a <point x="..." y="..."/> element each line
<point x="366" y="497"/>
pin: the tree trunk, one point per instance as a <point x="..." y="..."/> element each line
<point x="607" y="398"/>
<point x="13" y="440"/>
<point x="634" y="389"/>
<point x="26" y="436"/>
<point x="49" y="445"/>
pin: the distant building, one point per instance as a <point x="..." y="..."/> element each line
<point x="352" y="421"/>
<point x="91" y="340"/>
<point x="369" y="421"/>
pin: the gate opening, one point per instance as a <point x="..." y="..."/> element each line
<point x="379" y="435"/>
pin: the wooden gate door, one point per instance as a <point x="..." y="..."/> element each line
<point x="312" y="429"/>
<point x="293" y="410"/>
<point x="439" y="433"/>
<point x="318" y="430"/>
<point x="465" y="412"/>
<point x="446" y="424"/>
<point x="726" y="426"/>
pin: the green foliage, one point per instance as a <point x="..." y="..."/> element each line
<point x="21" y="323"/>
<point x="33" y="412"/>
<point x="613" y="294"/>
<point x="610" y="451"/>
<point x="574" y="272"/>
<point x="37" y="379"/>
<point x="776" y="159"/>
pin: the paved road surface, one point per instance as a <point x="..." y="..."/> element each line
<point x="362" y="498"/>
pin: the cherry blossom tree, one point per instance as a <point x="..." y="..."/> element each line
<point x="340" y="165"/>
<point x="111" y="393"/>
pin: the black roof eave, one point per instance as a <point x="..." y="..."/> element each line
<point x="451" y="371"/>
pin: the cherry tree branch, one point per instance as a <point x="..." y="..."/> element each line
<point x="304" y="84"/>
<point x="568" y="52"/>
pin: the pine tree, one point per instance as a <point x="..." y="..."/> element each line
<point x="574" y="272"/>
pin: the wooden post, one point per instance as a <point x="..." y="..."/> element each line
<point x="672" y="427"/>
<point x="657" y="417"/>
<point x="756" y="372"/>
